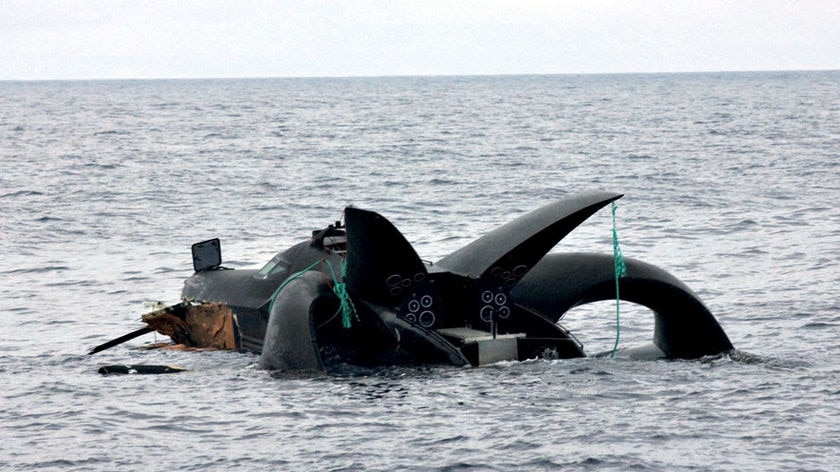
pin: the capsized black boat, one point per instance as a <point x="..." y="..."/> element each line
<point x="358" y="293"/>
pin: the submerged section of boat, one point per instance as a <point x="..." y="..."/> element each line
<point x="356" y="292"/>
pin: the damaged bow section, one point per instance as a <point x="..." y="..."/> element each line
<point x="197" y="325"/>
<point x="190" y="325"/>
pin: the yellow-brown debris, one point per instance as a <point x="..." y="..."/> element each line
<point x="196" y="325"/>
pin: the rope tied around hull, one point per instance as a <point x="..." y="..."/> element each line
<point x="292" y="277"/>
<point x="620" y="271"/>
<point x="339" y="288"/>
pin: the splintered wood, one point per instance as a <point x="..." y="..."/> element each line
<point x="202" y="326"/>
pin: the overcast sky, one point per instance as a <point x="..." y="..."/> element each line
<point x="78" y="39"/>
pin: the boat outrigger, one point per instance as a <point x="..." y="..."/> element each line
<point x="356" y="292"/>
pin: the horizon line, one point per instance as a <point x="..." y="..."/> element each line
<point x="386" y="76"/>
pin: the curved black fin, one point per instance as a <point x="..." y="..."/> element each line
<point x="684" y="326"/>
<point x="511" y="250"/>
<point x="290" y="341"/>
<point x="381" y="264"/>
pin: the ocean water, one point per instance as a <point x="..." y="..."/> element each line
<point x="730" y="182"/>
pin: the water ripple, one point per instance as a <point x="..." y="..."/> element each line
<point x="106" y="185"/>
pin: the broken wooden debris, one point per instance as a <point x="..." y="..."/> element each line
<point x="191" y="325"/>
<point x="196" y="325"/>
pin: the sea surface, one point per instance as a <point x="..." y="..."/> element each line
<point x="731" y="183"/>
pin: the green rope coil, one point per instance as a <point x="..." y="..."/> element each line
<point x="348" y="310"/>
<point x="620" y="271"/>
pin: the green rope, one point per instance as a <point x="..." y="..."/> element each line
<point x="620" y="271"/>
<point x="294" y="276"/>
<point x="340" y="290"/>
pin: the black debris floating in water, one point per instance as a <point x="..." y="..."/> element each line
<point x="139" y="369"/>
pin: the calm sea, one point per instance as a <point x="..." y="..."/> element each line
<point x="731" y="184"/>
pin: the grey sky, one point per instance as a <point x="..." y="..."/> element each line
<point x="78" y="39"/>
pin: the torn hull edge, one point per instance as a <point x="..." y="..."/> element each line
<point x="197" y="325"/>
